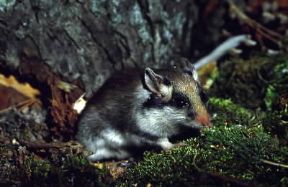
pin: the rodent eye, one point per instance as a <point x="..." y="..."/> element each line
<point x="180" y="100"/>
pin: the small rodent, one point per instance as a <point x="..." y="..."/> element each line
<point x="144" y="108"/>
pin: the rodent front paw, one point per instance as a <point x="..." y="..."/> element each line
<point x="165" y="144"/>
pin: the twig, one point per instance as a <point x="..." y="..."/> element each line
<point x="39" y="145"/>
<point x="274" y="163"/>
<point x="194" y="163"/>
<point x="27" y="102"/>
<point x="44" y="145"/>
<point x="265" y="32"/>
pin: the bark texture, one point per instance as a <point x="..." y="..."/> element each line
<point x="87" y="40"/>
<point x="82" y="42"/>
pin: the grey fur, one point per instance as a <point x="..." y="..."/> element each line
<point x="116" y="120"/>
<point x="121" y="116"/>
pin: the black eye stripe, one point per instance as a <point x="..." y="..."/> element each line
<point x="180" y="100"/>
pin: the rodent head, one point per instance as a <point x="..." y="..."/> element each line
<point x="179" y="90"/>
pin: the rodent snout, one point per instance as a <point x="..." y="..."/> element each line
<point x="204" y="120"/>
<point x="201" y="119"/>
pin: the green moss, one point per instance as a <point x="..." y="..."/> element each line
<point x="276" y="95"/>
<point x="227" y="113"/>
<point x="277" y="123"/>
<point x="77" y="171"/>
<point x="236" y="150"/>
<point x="248" y="82"/>
<point x="36" y="168"/>
<point x="73" y="162"/>
<point x="270" y="97"/>
<point x="164" y="168"/>
<point x="246" y="146"/>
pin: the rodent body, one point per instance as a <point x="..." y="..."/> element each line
<point x="144" y="108"/>
<point x="139" y="109"/>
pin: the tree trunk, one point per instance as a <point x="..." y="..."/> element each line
<point x="84" y="41"/>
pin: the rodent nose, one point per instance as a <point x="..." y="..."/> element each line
<point x="204" y="119"/>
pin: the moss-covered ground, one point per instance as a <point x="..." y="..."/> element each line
<point x="247" y="145"/>
<point x="236" y="151"/>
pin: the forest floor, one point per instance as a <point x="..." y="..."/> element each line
<point x="247" y="145"/>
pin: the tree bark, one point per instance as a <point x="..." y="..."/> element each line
<point x="84" y="41"/>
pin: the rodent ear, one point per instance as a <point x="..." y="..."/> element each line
<point x="194" y="73"/>
<point x="158" y="85"/>
<point x="189" y="68"/>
